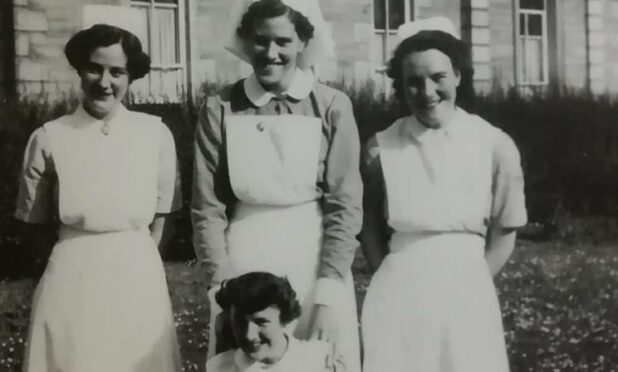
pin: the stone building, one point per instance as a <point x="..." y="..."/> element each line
<point x="524" y="43"/>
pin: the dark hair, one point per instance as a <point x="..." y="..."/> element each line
<point x="265" y="9"/>
<point x="255" y="291"/>
<point x="457" y="51"/>
<point x="83" y="43"/>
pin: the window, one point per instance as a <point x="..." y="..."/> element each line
<point x="531" y="49"/>
<point x="163" y="38"/>
<point x="388" y="15"/>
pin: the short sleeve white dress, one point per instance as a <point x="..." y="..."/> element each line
<point x="102" y="303"/>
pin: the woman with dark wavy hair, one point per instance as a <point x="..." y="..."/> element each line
<point x="444" y="196"/>
<point x="108" y="176"/>
<point x="277" y="185"/>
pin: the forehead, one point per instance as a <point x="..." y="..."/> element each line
<point x="112" y="55"/>
<point x="426" y="61"/>
<point x="276" y="26"/>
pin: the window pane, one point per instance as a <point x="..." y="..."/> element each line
<point x="142" y="33"/>
<point x="379" y="11"/>
<point x="532" y="4"/>
<point x="396" y="12"/>
<point x="535" y="24"/>
<point x="164" y="49"/>
<point x="167" y="1"/>
<point x="534" y="60"/>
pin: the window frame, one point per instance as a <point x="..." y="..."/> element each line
<point x="521" y="39"/>
<point x="410" y="12"/>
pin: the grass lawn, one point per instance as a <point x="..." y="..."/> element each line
<point x="559" y="303"/>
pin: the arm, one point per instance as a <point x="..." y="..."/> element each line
<point x="35" y="201"/>
<point x="508" y="210"/>
<point x="374" y="235"/>
<point x="161" y="230"/>
<point x="342" y="202"/>
<point x="211" y="193"/>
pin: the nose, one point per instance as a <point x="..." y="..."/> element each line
<point x="272" y="51"/>
<point x="252" y="332"/>
<point x="426" y="89"/>
<point x="105" y="79"/>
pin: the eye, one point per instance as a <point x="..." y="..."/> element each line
<point x="283" y="41"/>
<point x="118" y="72"/>
<point x="91" y="68"/>
<point x="437" y="77"/>
<point x="260" y="41"/>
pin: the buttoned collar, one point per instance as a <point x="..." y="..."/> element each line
<point x="300" y="87"/>
<point x="417" y="131"/>
<point x="82" y="116"/>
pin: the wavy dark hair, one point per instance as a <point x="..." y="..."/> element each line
<point x="265" y="9"/>
<point x="457" y="51"/>
<point x="256" y="291"/>
<point x="83" y="43"/>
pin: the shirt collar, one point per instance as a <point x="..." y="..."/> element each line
<point x="421" y="133"/>
<point x="300" y="87"/>
<point x="245" y="364"/>
<point x="83" y="116"/>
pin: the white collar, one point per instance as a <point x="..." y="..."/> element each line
<point x="244" y="364"/>
<point x="300" y="87"/>
<point x="419" y="132"/>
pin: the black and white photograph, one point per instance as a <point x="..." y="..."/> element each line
<point x="308" y="185"/>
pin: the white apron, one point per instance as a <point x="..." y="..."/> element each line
<point x="276" y="225"/>
<point x="432" y="306"/>
<point x="102" y="303"/>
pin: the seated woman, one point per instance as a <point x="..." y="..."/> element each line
<point x="261" y="306"/>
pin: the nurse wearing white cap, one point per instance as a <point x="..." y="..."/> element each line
<point x="277" y="185"/>
<point x="108" y="176"/>
<point x="444" y="195"/>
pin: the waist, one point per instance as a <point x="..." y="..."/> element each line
<point x="308" y="210"/>
<point x="437" y="241"/>
<point x="67" y="232"/>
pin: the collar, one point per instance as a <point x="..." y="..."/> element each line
<point x="300" y="87"/>
<point x="421" y="133"/>
<point x="245" y="364"/>
<point x="83" y="119"/>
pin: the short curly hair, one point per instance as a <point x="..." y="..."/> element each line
<point x="83" y="43"/>
<point x="265" y="9"/>
<point x="457" y="51"/>
<point x="256" y="291"/>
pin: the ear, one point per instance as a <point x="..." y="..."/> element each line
<point x="457" y="77"/>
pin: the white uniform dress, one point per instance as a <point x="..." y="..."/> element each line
<point x="432" y="306"/>
<point x="300" y="356"/>
<point x="102" y="303"/>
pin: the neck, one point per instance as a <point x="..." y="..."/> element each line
<point x="282" y="86"/>
<point x="279" y="352"/>
<point x="98" y="116"/>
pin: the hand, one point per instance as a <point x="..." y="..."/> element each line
<point x="323" y="324"/>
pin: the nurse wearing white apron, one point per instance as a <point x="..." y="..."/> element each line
<point x="107" y="173"/>
<point x="443" y="198"/>
<point x="277" y="183"/>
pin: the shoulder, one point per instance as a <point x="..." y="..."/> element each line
<point x="222" y="362"/>
<point x="331" y="97"/>
<point x="312" y="354"/>
<point x="230" y="97"/>
<point x="502" y="145"/>
<point x="65" y="120"/>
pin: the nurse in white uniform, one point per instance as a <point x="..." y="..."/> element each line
<point x="109" y="177"/>
<point x="277" y="185"/>
<point x="443" y="199"/>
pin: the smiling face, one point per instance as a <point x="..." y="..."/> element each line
<point x="430" y="86"/>
<point x="260" y="335"/>
<point x="104" y="80"/>
<point x="273" y="49"/>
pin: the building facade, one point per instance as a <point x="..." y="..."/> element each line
<point x="532" y="44"/>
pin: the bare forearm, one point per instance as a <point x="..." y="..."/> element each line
<point x="499" y="246"/>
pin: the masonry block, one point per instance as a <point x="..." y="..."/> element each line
<point x="595" y="23"/>
<point x="596" y="39"/>
<point x="22" y="44"/>
<point x="595" y="7"/>
<point x="29" y="70"/>
<point x="481" y="53"/>
<point x="29" y="20"/>
<point x="480" y="17"/>
<point x="480" y="35"/>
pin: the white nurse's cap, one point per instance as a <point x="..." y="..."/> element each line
<point x="127" y="18"/>
<point x="428" y="24"/>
